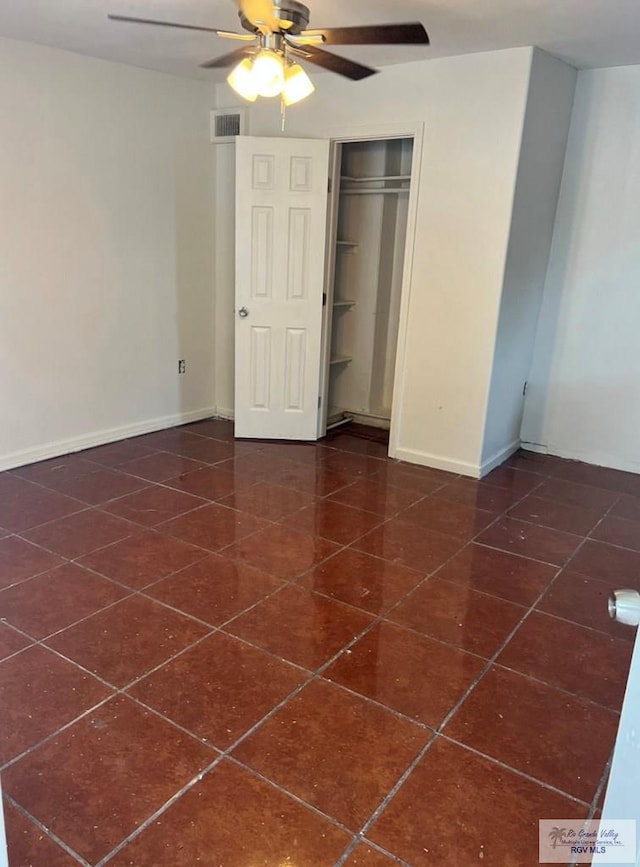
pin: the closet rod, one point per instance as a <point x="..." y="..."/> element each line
<point x="363" y="191"/>
<point x="353" y="180"/>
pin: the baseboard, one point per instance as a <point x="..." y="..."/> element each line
<point x="499" y="458"/>
<point x="370" y="420"/>
<point x="222" y="412"/>
<point x="595" y="458"/>
<point x="437" y="462"/>
<point x="101" y="438"/>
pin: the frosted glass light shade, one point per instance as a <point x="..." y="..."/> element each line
<point x="241" y="79"/>
<point x="268" y="73"/>
<point x="297" y="84"/>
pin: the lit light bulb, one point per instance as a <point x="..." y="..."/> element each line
<point x="242" y="81"/>
<point x="268" y="73"/>
<point x="297" y="84"/>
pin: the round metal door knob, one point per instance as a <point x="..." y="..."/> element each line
<point x="624" y="607"/>
<point x="243" y="313"/>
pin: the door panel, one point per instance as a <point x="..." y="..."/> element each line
<point x="281" y="203"/>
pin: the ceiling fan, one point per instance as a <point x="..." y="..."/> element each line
<point x="266" y="65"/>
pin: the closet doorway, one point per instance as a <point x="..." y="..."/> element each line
<point x="369" y="241"/>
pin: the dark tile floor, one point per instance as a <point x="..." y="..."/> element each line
<point x="231" y="653"/>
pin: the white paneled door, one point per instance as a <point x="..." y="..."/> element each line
<point x="281" y="207"/>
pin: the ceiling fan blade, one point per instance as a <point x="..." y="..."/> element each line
<point x="412" y="33"/>
<point x="341" y="65"/>
<point x="242" y="37"/>
<point x="228" y="59"/>
<point x="261" y="13"/>
<point x="164" y="24"/>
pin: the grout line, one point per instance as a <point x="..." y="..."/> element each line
<point x="46" y="831"/>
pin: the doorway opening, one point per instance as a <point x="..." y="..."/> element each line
<point x="367" y="241"/>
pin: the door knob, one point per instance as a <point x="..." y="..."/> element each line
<point x="624" y="607"/>
<point x="243" y="313"/>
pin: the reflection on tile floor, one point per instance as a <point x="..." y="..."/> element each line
<point x="256" y="653"/>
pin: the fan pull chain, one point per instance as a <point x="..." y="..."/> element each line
<point x="283" y="113"/>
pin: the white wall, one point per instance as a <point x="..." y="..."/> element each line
<point x="106" y="250"/>
<point x="542" y="154"/>
<point x="583" y="400"/>
<point x="473" y="109"/>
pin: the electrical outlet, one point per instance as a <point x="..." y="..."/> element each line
<point x="182" y="365"/>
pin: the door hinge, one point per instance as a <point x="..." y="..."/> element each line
<point x="324" y="299"/>
<point x="319" y="401"/>
<point x="329" y="185"/>
<point x="525" y="386"/>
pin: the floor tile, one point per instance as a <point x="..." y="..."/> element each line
<point x="80" y="533"/>
<point x="596" y="668"/>
<point x="352" y="464"/>
<point x="459" y="616"/>
<point x="618" y="531"/>
<point x="65" y="466"/>
<point x="478" y="495"/>
<point x="283" y="552"/>
<point x="513" y="479"/>
<point x="28" y="845"/>
<point x="305" y="628"/>
<point x="213" y="527"/>
<point x="20" y="560"/>
<point x="207" y="450"/>
<point x="26" y="505"/>
<point x="409" y="673"/>
<point x="169" y="440"/>
<point x="358" y="445"/>
<point x="55" y="599"/>
<point x="362" y="580"/>
<point x="627" y="507"/>
<point x="219" y="689"/>
<point x="160" y="466"/>
<point x="583" y="600"/>
<point x="376" y="497"/>
<point x="11" y="641"/>
<point x="319" y="481"/>
<point x="256" y="466"/>
<point x="225" y="813"/>
<point x="216" y="428"/>
<point x="296" y="748"/>
<point x="456" y="783"/>
<point x="411" y="477"/>
<point x="117" y="453"/>
<point x="41" y="692"/>
<point x="153" y="505"/>
<point x="365" y="856"/>
<point x="601" y="477"/>
<point x="215" y="589"/>
<point x="617" y="566"/>
<point x="532" y="727"/>
<point x="142" y="559"/>
<point x="517" y="579"/>
<point x="582" y="496"/>
<point x="558" y="516"/>
<point x="210" y="483"/>
<point x="409" y="544"/>
<point x="335" y="521"/>
<point x="127" y="640"/>
<point x="97" y="488"/>
<point x="529" y="540"/>
<point x="452" y="519"/>
<point x="139" y="760"/>
<point x="272" y="502"/>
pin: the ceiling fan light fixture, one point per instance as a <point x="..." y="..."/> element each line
<point x="242" y="80"/>
<point x="297" y="84"/>
<point x="268" y="73"/>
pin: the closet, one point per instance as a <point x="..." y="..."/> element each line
<point x="370" y="227"/>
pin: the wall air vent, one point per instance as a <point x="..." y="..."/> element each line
<point x="228" y="123"/>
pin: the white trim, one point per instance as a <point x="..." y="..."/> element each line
<point x="222" y="412"/>
<point x="100" y="438"/>
<point x="595" y="458"/>
<point x="499" y="458"/>
<point x="437" y="462"/>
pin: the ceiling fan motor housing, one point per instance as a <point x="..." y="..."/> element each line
<point x="294" y="15"/>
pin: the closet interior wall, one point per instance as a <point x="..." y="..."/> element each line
<point x="373" y="204"/>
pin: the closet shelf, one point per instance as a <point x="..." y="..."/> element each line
<point x="347" y="243"/>
<point x="367" y="180"/>
<point x="340" y="359"/>
<point x="343" y="303"/>
<point x="361" y="191"/>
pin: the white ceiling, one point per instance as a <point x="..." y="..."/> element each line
<point x="586" y="33"/>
